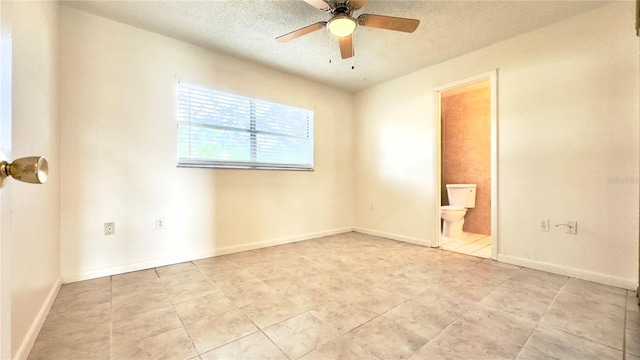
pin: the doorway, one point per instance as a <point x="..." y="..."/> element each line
<point x="466" y="154"/>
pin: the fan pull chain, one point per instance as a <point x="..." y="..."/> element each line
<point x="330" y="47"/>
<point x="353" y="57"/>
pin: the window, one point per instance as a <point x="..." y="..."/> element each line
<point x="217" y="129"/>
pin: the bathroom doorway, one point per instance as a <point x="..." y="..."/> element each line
<point x="467" y="156"/>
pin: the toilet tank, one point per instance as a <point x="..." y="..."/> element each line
<point x="462" y="195"/>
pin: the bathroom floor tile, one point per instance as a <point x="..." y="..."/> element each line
<point x="484" y="252"/>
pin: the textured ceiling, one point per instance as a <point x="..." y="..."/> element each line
<point x="247" y="29"/>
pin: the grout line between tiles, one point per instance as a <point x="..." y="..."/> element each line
<point x="624" y="326"/>
<point x="111" y="350"/>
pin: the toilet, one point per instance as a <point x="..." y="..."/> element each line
<point x="461" y="197"/>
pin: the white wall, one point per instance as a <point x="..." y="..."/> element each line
<point x="568" y="132"/>
<point x="35" y="208"/>
<point x="119" y="155"/>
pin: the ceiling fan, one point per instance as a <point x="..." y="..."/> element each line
<point x="342" y="24"/>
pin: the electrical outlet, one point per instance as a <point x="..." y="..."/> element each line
<point x="161" y="224"/>
<point x="572" y="228"/>
<point x="371" y="207"/>
<point x="543" y="224"/>
<point x="109" y="228"/>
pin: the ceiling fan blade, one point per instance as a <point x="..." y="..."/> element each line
<point x="318" y="4"/>
<point x="303" y="31"/>
<point x="346" y="46"/>
<point x="357" y="4"/>
<point x="388" y="22"/>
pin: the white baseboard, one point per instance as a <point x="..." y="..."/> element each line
<point x="178" y="258"/>
<point x="629" y="284"/>
<point x="36" y="326"/>
<point x="392" y="236"/>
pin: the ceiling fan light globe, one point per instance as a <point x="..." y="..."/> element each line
<point x="342" y="25"/>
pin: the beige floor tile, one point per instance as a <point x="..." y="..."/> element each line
<point x="599" y="322"/>
<point x="633" y="342"/>
<point x="128" y="306"/>
<point x="377" y="300"/>
<point x="69" y="322"/>
<point x="228" y="280"/>
<point x="464" y="285"/>
<point x="147" y="324"/>
<point x="340" y="297"/>
<point x="77" y="288"/>
<point x="301" y="334"/>
<point x="317" y="355"/>
<point x="254" y="346"/>
<point x="271" y="309"/>
<point x="561" y="345"/>
<point x="522" y="299"/>
<point x="172" y="344"/>
<point x="217" y="263"/>
<point x="150" y="286"/>
<point x="630" y="356"/>
<point x="483" y="345"/>
<point x="633" y="320"/>
<point x="179" y="278"/>
<point x="530" y="353"/>
<point x="204" y="307"/>
<point x="596" y="292"/>
<point x="82" y="301"/>
<point x="133" y="276"/>
<point x="344" y="317"/>
<point x="93" y="342"/>
<point x="188" y="285"/>
<point x="541" y="279"/>
<point x="54" y="350"/>
<point x="386" y="339"/>
<point x="219" y="330"/>
<point x="500" y="324"/>
<point x="175" y="268"/>
<point x="246" y="294"/>
<point x="632" y="301"/>
<point x="433" y="350"/>
<point x="342" y="347"/>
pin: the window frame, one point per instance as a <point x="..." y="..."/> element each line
<point x="252" y="130"/>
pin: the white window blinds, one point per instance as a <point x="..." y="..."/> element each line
<point x="217" y="129"/>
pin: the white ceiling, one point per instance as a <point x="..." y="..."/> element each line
<point x="247" y="29"/>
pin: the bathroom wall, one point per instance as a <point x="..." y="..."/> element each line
<point x="466" y="149"/>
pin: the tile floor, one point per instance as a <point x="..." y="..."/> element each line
<point x="469" y="243"/>
<point x="349" y="296"/>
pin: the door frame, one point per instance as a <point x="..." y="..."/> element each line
<point x="492" y="76"/>
<point x="5" y="191"/>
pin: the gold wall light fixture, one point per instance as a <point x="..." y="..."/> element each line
<point x="32" y="169"/>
